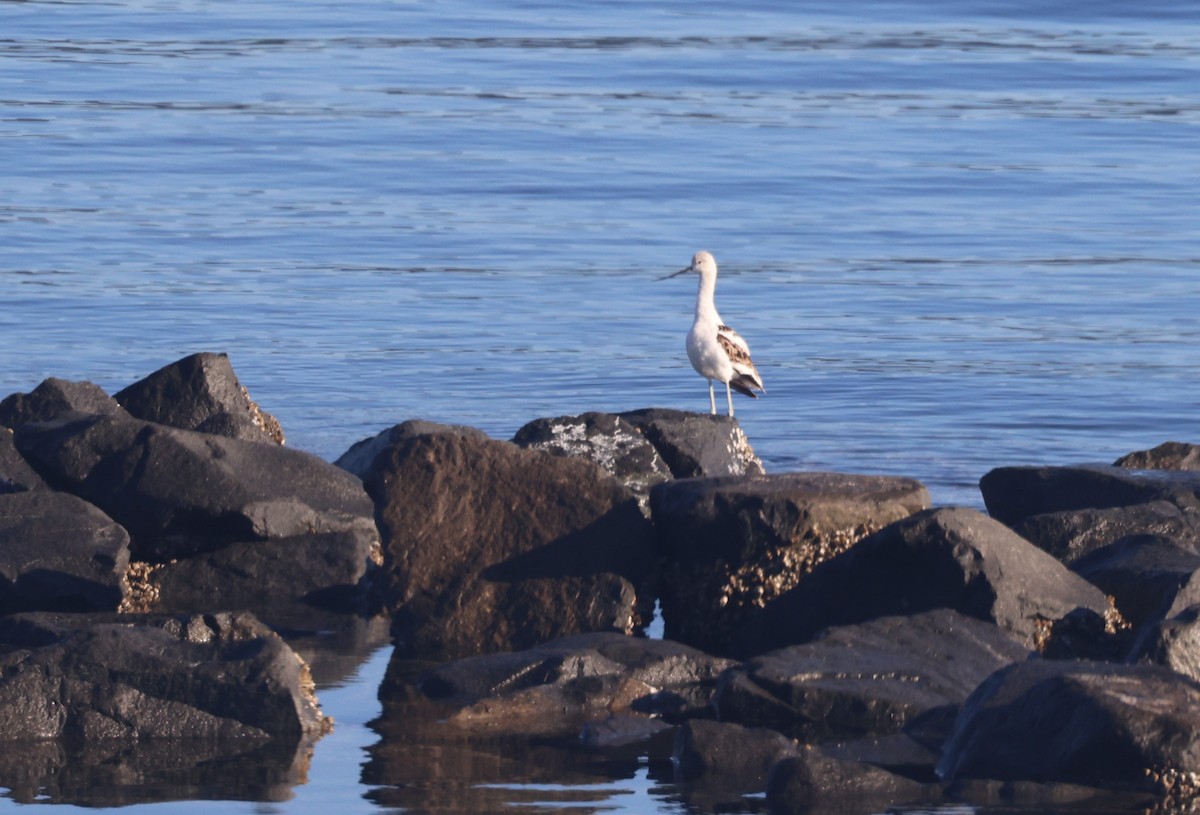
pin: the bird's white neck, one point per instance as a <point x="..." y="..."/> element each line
<point x="706" y="310"/>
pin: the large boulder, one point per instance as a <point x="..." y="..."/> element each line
<point x="361" y="456"/>
<point x="869" y="679"/>
<point x="1171" y="455"/>
<point x="491" y="547"/>
<point x="213" y="677"/>
<point x="1097" y="724"/>
<point x="1012" y="494"/>
<point x="200" y="392"/>
<point x="1072" y="534"/>
<point x="58" y="552"/>
<point x="695" y="445"/>
<point x="15" y="473"/>
<point x="54" y="398"/>
<point x="812" y="781"/>
<point x="735" y="544"/>
<point x="941" y="558"/>
<point x="717" y="764"/>
<point x="1173" y="643"/>
<point x="1149" y="577"/>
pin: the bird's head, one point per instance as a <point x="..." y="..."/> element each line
<point x="703" y="263"/>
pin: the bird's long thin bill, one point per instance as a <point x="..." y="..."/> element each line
<point x="676" y="274"/>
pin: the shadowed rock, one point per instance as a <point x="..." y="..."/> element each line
<point x="15" y="473"/>
<point x="58" y="552"/>
<point x="866" y="680"/>
<point x="1072" y="534"/>
<point x="734" y="544"/>
<point x="812" y="781"/>
<point x="1149" y="577"/>
<point x="1101" y="725"/>
<point x="362" y="454"/>
<point x="54" y="398"/>
<point x="1173" y="643"/>
<point x="717" y="764"/>
<point x="940" y="558"/>
<point x="1171" y="455"/>
<point x="491" y="547"/>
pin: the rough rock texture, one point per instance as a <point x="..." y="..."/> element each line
<point x="179" y="492"/>
<point x="1072" y="534"/>
<point x="866" y="680"/>
<point x="940" y="558"/>
<point x="481" y="537"/>
<point x="556" y="686"/>
<point x="1097" y="724"/>
<point x="696" y="444"/>
<point x="1012" y="494"/>
<point x="54" y="398"/>
<point x="814" y="782"/>
<point x="734" y="544"/>
<point x="1149" y="577"/>
<point x="1171" y="455"/>
<point x="362" y="454"/>
<point x="1173" y="643"/>
<point x="610" y="441"/>
<point x="200" y="392"/>
<point x="718" y="764"/>
<point x="216" y="677"/>
<point x="15" y="473"/>
<point x="58" y="552"/>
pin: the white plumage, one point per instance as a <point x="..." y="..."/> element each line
<point x="717" y="352"/>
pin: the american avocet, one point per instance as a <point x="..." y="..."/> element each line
<point x="717" y="351"/>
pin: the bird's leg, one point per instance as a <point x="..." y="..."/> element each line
<point x="729" y="397"/>
<point x="712" y="398"/>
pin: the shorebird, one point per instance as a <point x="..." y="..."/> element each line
<point x="718" y="353"/>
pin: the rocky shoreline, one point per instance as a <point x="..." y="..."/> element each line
<point x="831" y="640"/>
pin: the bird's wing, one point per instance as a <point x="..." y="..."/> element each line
<point x="739" y="354"/>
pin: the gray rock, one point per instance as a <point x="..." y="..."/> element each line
<point x="200" y="392"/>
<point x="734" y="544"/>
<point x="1173" y="643"/>
<point x="1171" y="455"/>
<point x="1149" y="577"/>
<point x="1095" y="724"/>
<point x="15" y="473"/>
<point x="622" y="730"/>
<point x="718" y="764"/>
<point x="1072" y="534"/>
<point x="491" y="547"/>
<point x="59" y="552"/>
<point x="695" y="445"/>
<point x="1012" y="494"/>
<point x="54" y="398"/>
<point x="940" y="558"/>
<point x="222" y="677"/>
<point x="362" y="454"/>
<point x="866" y="680"/>
<point x="812" y="781"/>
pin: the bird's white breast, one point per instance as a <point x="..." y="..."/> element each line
<point x="706" y="354"/>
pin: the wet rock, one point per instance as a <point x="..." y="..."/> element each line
<point x="1032" y="796"/>
<point x="604" y="438"/>
<point x="1072" y="534"/>
<point x="216" y="677"/>
<point x="1171" y="455"/>
<point x="622" y="730"/>
<point x="59" y="552"/>
<point x="735" y="544"/>
<point x="718" y="764"/>
<point x="813" y="781"/>
<point x="54" y="398"/>
<point x="491" y="547"/>
<point x="200" y="392"/>
<point x="940" y="558"/>
<point x="15" y="473"/>
<point x="1149" y="577"/>
<point x="362" y="454"/>
<point x="558" y="686"/>
<point x="866" y="680"/>
<point x="1173" y="643"/>
<point x="695" y="445"/>
<point x="1095" y="724"/>
<point x="1012" y="494"/>
<point x="180" y="493"/>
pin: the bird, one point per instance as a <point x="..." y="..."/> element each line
<point x="717" y="352"/>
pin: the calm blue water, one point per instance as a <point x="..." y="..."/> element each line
<point x="956" y="234"/>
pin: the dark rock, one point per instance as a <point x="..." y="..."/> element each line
<point x="906" y="753"/>
<point x="1012" y="494"/>
<point x="1171" y="455"/>
<point x="604" y="438"/>
<point x="940" y="558"/>
<point x="1034" y="797"/>
<point x="557" y="686"/>
<point x="15" y="473"/>
<point x="362" y="454"/>
<point x="1096" y="724"/>
<point x="1071" y="534"/>
<point x="622" y="730"/>
<point x="219" y="677"/>
<point x="866" y="680"/>
<point x="735" y="544"/>
<point x="695" y="445"/>
<point x="491" y="547"/>
<point x="1173" y="643"/>
<point x="180" y="493"/>
<point x="54" y="398"/>
<point x="1086" y="634"/>
<point x="718" y="764"/>
<point x="59" y="552"/>
<point x="200" y="392"/>
<point x="1149" y="577"/>
<point x="813" y="781"/>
